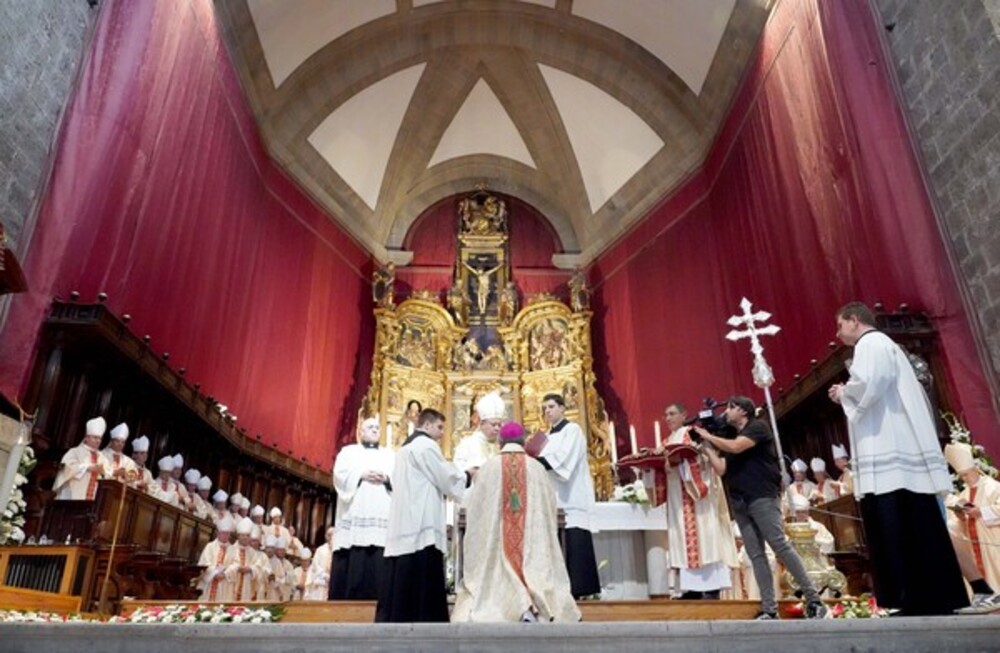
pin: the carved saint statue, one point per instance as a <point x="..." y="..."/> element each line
<point x="458" y="303"/>
<point x="383" y="282"/>
<point x="482" y="285"/>
<point x="494" y="359"/>
<point x="480" y="219"/>
<point x="508" y="304"/>
<point x="579" y="293"/>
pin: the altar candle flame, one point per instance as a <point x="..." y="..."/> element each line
<point x="656" y="431"/>
<point x="631" y="438"/>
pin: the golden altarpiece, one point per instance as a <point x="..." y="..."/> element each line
<point x="446" y="355"/>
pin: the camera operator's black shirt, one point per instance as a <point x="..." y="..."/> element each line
<point x="754" y="473"/>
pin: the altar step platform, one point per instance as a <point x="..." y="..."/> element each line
<point x="958" y="634"/>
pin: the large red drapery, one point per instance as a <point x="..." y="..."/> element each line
<point x="163" y="197"/>
<point x="810" y="198"/>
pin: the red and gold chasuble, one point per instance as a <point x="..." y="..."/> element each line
<point x="515" y="502"/>
<point x="213" y="588"/>
<point x="977" y="548"/>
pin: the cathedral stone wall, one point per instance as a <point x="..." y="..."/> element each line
<point x="41" y="44"/>
<point x="947" y="58"/>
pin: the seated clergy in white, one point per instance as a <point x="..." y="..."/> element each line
<point x="140" y="452"/>
<point x="824" y="538"/>
<point x="827" y="489"/>
<point x="481" y="445"/>
<point x="122" y="467"/>
<point x="974" y="521"/>
<point x="318" y="581"/>
<point x="257" y="515"/>
<point x="361" y="476"/>
<point x="164" y="488"/>
<point x="212" y="582"/>
<point x="514" y="569"/>
<point x="280" y="576"/>
<point x="843" y="463"/>
<point x="276" y="528"/>
<point x="235" y="499"/>
<point x="202" y="502"/>
<point x="294" y="543"/>
<point x="242" y="568"/>
<point x="219" y="511"/>
<point x="177" y="473"/>
<point x="244" y="507"/>
<point x="83" y="466"/>
<point x="800" y="485"/>
<point x="301" y="574"/>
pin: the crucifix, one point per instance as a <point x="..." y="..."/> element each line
<point x="763" y="377"/>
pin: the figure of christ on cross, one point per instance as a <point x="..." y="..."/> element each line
<point x="482" y="285"/>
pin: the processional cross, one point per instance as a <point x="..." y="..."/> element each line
<point x="763" y="377"/>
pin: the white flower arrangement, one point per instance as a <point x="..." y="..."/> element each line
<point x="191" y="614"/>
<point x="959" y="434"/>
<point x="634" y="492"/>
<point x="37" y="617"/>
<point x="12" y="518"/>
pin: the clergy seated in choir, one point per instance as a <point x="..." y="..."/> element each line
<point x="83" y="466"/>
<point x="413" y="584"/>
<point x="823" y="537"/>
<point x="301" y="574"/>
<point x="827" y="489"/>
<point x="281" y="573"/>
<point x="745" y="586"/>
<point x="244" y="508"/>
<point x="140" y="452"/>
<point x="513" y="566"/>
<point x="261" y="560"/>
<point x="362" y="477"/>
<point x="974" y="527"/>
<point x="122" y="467"/>
<point x="276" y="527"/>
<point x="843" y="463"/>
<point x="177" y="473"/>
<point x="565" y="456"/>
<point x="219" y="511"/>
<point x="202" y="504"/>
<point x="257" y="515"/>
<point x="701" y="544"/>
<point x="164" y="488"/>
<point x="235" y="501"/>
<point x="212" y="582"/>
<point x="243" y="568"/>
<point x="800" y="485"/>
<point x="318" y="581"/>
<point x="294" y="543"/>
<point x="481" y="445"/>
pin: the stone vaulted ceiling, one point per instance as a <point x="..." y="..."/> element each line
<point x="591" y="110"/>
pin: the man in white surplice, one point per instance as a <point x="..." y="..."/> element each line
<point x="514" y="568"/>
<point x="481" y="445"/>
<point x="702" y="547"/>
<point x="83" y="466"/>
<point x="413" y="583"/>
<point x="361" y="477"/>
<point x="565" y="456"/>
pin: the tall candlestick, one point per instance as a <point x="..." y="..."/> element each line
<point x="656" y="430"/>
<point x="388" y="436"/>
<point x="631" y="438"/>
<point x="614" y="443"/>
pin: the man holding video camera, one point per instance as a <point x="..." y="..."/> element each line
<point x="749" y="466"/>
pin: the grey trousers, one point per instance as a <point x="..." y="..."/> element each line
<point x="760" y="521"/>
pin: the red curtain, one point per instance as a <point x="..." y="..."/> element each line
<point x="810" y="198"/>
<point x="163" y="197"/>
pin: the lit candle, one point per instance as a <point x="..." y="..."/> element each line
<point x="388" y="436"/>
<point x="656" y="430"/>
<point x="631" y="439"/>
<point x="614" y="443"/>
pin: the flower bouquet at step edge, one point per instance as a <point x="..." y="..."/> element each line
<point x="634" y="492"/>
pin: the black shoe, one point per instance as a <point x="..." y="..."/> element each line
<point x="766" y="616"/>
<point x="816" y="610"/>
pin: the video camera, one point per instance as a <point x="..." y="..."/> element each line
<point x="712" y="421"/>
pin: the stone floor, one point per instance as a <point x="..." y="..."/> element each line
<point x="966" y="634"/>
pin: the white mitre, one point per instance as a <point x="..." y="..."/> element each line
<point x="491" y="406"/>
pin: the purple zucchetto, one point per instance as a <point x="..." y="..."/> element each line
<point x="511" y="431"/>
